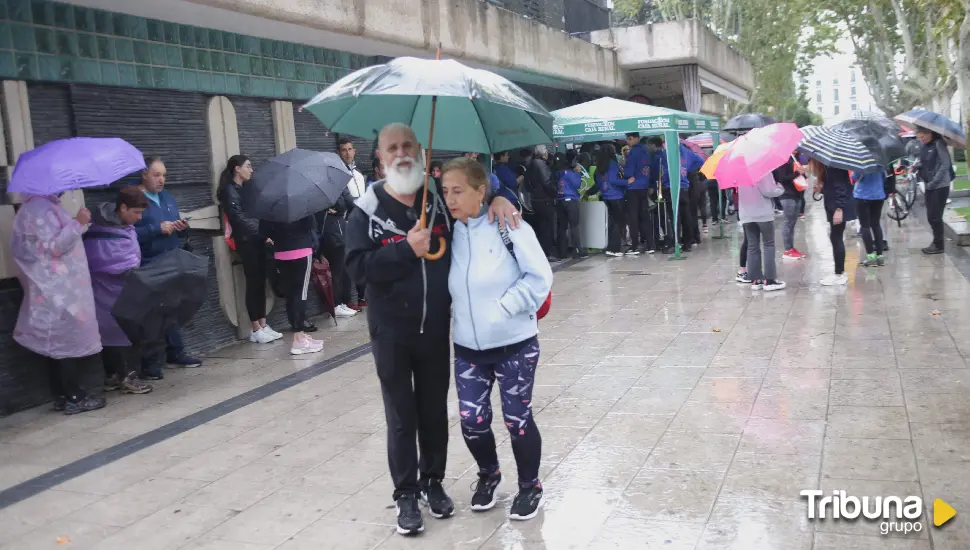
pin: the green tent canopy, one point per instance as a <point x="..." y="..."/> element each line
<point x="608" y="119"/>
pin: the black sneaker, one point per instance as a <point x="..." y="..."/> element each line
<point x="932" y="249"/>
<point x="184" y="362"/>
<point x="484" y="497"/>
<point x="89" y="403"/>
<point x="59" y="404"/>
<point x="409" y="521"/>
<point x="148" y="374"/>
<point x="526" y="504"/>
<point x="439" y="503"/>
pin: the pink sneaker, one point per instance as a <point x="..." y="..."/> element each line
<point x="307" y="345"/>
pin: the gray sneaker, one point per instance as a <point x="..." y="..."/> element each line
<point x="134" y="385"/>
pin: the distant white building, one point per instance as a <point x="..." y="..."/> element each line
<point x="836" y="89"/>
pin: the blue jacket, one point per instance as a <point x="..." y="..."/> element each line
<point x="495" y="295"/>
<point x="871" y="187"/>
<point x="611" y="186"/>
<point x="507" y="185"/>
<point x="569" y="185"/>
<point x="637" y="166"/>
<point x="689" y="162"/>
<point x="150" y="237"/>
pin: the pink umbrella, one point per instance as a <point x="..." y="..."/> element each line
<point x="757" y="153"/>
<point x="695" y="148"/>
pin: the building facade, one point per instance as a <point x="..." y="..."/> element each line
<point x="836" y="89"/>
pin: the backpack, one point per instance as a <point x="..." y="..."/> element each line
<point x="547" y="303"/>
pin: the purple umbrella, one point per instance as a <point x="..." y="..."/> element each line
<point x="74" y="163"/>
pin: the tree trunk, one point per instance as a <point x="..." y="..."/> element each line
<point x="963" y="69"/>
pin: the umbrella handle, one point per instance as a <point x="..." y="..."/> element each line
<point x="442" y="246"/>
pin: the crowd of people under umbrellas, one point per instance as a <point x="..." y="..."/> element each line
<point x="485" y="295"/>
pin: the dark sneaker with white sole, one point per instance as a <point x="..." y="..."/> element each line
<point x="439" y="503"/>
<point x="526" y="504"/>
<point x="409" y="520"/>
<point x="484" y="497"/>
<point x="89" y="403"/>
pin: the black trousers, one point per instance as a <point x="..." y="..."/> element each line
<point x="253" y="256"/>
<point x="415" y="377"/>
<point x="616" y="221"/>
<point x="870" y="213"/>
<point x="717" y="208"/>
<point x="64" y="376"/>
<point x="567" y="217"/>
<point x="336" y="254"/>
<point x="838" y="245"/>
<point x="935" y="204"/>
<point x="695" y="204"/>
<point x="545" y="226"/>
<point x="686" y="219"/>
<point x="121" y="360"/>
<point x="636" y="216"/>
<point x="295" y="277"/>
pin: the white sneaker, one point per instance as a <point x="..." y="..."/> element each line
<point x="344" y="311"/>
<point x="834" y="280"/>
<point x="261" y="336"/>
<point x="613" y="254"/>
<point x="306" y="346"/>
<point x="273" y="333"/>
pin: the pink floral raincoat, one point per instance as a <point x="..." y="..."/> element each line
<point x="57" y="318"/>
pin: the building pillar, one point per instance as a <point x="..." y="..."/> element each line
<point x="284" y="127"/>
<point x="692" y="88"/>
<point x="231" y="282"/>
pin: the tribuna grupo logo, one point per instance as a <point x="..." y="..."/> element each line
<point x="896" y="514"/>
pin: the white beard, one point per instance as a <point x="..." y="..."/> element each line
<point x="405" y="181"/>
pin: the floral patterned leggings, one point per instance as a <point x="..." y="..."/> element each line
<point x="516" y="376"/>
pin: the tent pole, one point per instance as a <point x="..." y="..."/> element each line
<point x="672" y="142"/>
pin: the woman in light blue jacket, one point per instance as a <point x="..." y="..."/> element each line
<point x="498" y="280"/>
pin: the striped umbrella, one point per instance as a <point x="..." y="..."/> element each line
<point x="837" y="149"/>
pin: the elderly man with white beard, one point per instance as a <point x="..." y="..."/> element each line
<point x="409" y="319"/>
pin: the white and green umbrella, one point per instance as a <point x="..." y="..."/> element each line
<point x="477" y="111"/>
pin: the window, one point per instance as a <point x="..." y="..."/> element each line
<point x="835" y="110"/>
<point x="852" y="76"/>
<point x="835" y="82"/>
<point x="855" y="107"/>
<point x="818" y="83"/>
<point x="818" y="97"/>
<point x="835" y="95"/>
<point x="852" y="93"/>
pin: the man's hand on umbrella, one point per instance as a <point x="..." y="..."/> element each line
<point x="420" y="240"/>
<point x="83" y="216"/>
<point x="504" y="211"/>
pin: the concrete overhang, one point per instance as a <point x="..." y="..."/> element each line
<point x="471" y="31"/>
<point x="648" y="50"/>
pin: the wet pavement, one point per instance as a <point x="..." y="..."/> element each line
<point x="678" y="410"/>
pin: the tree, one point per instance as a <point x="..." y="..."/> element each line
<point x="767" y="32"/>
<point x="904" y="58"/>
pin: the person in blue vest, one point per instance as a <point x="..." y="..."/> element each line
<point x="637" y="172"/>
<point x="689" y="162"/>
<point x="508" y="185"/>
<point x="570" y="181"/>
<point x="158" y="232"/>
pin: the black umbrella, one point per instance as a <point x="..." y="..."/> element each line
<point x="167" y="291"/>
<point x="295" y="185"/>
<point x="880" y="136"/>
<point x="748" y="121"/>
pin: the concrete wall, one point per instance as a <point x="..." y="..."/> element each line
<point x="676" y="43"/>
<point x="469" y="30"/>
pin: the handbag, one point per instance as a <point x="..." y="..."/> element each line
<point x="547" y="303"/>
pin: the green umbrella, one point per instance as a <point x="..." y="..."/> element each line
<point x="608" y="118"/>
<point x="477" y="111"/>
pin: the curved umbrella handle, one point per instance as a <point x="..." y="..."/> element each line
<point x="442" y="246"/>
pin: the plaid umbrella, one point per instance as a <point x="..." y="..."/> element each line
<point x="837" y="149"/>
